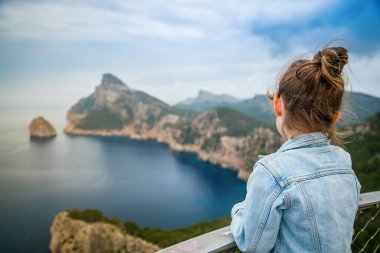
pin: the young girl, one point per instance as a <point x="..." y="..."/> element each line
<point x="304" y="197"/>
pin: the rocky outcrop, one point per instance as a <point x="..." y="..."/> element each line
<point x="41" y="128"/>
<point x="72" y="235"/>
<point x="221" y="136"/>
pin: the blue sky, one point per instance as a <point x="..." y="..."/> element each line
<point x="54" y="52"/>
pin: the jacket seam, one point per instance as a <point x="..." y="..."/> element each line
<point x="264" y="219"/>
<point x="287" y="200"/>
<point x="311" y="218"/>
<point x="317" y="141"/>
<point x="287" y="181"/>
<point x="267" y="158"/>
<point x="317" y="175"/>
<point x="357" y="191"/>
<point x="274" y="173"/>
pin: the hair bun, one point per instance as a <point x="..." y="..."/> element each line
<point x="332" y="61"/>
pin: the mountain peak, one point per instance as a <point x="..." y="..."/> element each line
<point x="209" y="97"/>
<point x="203" y="93"/>
<point x="111" y="80"/>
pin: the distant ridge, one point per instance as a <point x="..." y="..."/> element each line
<point x="360" y="106"/>
<point x="208" y="97"/>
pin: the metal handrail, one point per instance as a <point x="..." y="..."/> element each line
<point x="222" y="238"/>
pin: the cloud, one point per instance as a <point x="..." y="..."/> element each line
<point x="172" y="49"/>
<point x="78" y="21"/>
<point x="284" y="24"/>
<point x="122" y="20"/>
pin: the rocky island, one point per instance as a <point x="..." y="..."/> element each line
<point x="41" y="128"/>
<point x="221" y="135"/>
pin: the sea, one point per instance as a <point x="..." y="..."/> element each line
<point x="137" y="180"/>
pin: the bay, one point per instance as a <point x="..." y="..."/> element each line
<point x="142" y="181"/>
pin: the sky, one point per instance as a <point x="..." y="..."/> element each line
<point x="55" y="52"/>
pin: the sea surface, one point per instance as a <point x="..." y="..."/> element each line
<point x="142" y="181"/>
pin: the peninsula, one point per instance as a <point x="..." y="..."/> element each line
<point x="221" y="135"/>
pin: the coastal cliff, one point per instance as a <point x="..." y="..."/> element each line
<point x="222" y="136"/>
<point x="74" y="235"/>
<point x="41" y="128"/>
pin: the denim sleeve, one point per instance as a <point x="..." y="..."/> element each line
<point x="256" y="220"/>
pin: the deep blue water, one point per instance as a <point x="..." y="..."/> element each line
<point x="142" y="181"/>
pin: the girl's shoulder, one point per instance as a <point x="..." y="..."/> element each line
<point x="307" y="162"/>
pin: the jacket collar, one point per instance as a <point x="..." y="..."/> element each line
<point x="309" y="139"/>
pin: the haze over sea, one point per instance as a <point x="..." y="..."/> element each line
<point x="141" y="181"/>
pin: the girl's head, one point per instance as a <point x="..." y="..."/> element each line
<point x="309" y="94"/>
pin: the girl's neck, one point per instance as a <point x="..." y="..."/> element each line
<point x="291" y="134"/>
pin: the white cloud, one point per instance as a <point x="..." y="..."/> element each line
<point x="78" y="21"/>
<point x="363" y="73"/>
<point x="123" y="20"/>
<point x="170" y="49"/>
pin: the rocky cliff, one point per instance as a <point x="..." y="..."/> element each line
<point x="73" y="235"/>
<point x="222" y="136"/>
<point x="41" y="128"/>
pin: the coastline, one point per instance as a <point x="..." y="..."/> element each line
<point x="129" y="132"/>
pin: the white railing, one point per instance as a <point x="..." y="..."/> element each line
<point x="366" y="232"/>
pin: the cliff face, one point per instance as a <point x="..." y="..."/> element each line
<point x="71" y="235"/>
<point x="222" y="136"/>
<point x="40" y="127"/>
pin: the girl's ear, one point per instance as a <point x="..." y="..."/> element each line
<point x="277" y="106"/>
<point x="336" y="117"/>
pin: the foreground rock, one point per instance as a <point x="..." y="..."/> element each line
<point x="41" y="128"/>
<point x="71" y="235"/>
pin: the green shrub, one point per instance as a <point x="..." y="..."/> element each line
<point x="365" y="153"/>
<point x="188" y="135"/>
<point x="130" y="227"/>
<point x="92" y="215"/>
<point x="88" y="215"/>
<point x="212" y="143"/>
<point x="166" y="238"/>
<point x="160" y="237"/>
<point x="237" y="123"/>
<point x="101" y="118"/>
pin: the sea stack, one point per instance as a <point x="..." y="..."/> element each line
<point x="41" y="128"/>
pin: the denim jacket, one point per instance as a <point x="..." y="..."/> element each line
<point x="303" y="198"/>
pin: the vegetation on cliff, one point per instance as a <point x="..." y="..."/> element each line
<point x="160" y="237"/>
<point x="364" y="148"/>
<point x="102" y="118"/>
<point x="237" y="123"/>
<point x="91" y="216"/>
<point x="166" y="238"/>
